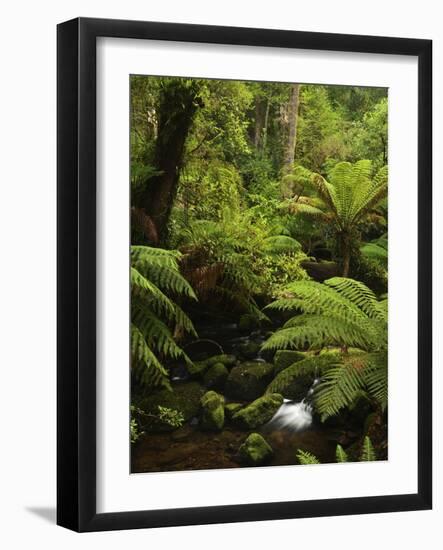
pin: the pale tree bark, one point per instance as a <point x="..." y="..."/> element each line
<point x="292" y="127"/>
<point x="258" y="122"/>
<point x="265" y="125"/>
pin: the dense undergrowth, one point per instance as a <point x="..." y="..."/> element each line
<point x="263" y="205"/>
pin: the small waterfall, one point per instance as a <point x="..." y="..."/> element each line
<point x="293" y="416"/>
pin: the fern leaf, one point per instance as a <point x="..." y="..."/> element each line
<point x="340" y="454"/>
<point x="316" y="365"/>
<point x="306" y="458"/>
<point x="367" y="452"/>
<point x="338" y="388"/>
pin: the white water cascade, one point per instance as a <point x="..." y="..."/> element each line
<point x="293" y="416"/>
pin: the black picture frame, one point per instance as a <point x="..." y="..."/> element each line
<point x="76" y="295"/>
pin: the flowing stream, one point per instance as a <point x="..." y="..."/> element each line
<point x="292" y="416"/>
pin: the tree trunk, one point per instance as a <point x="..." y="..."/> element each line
<point x="178" y="105"/>
<point x="346" y="254"/>
<point x="258" y="122"/>
<point x="292" y="123"/>
<point x="265" y="125"/>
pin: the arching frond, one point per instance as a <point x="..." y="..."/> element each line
<point x="154" y="315"/>
<point x="315" y="365"/>
<point x="280" y="244"/>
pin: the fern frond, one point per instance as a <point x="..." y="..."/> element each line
<point x="149" y="370"/>
<point x="183" y="321"/>
<point x="280" y="244"/>
<point x="316" y="365"/>
<point x="376" y="377"/>
<point x="143" y="288"/>
<point x="339" y="387"/>
<point x="367" y="452"/>
<point x="357" y="293"/>
<point x="306" y="458"/>
<point x="340" y="454"/>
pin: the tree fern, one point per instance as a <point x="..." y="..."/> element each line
<point x="340" y="313"/>
<point x="351" y="193"/>
<point x="154" y="314"/>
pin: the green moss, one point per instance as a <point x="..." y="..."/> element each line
<point x="232" y="408"/>
<point x="216" y="376"/>
<point x="249" y="350"/>
<point x="185" y="398"/>
<point x="213" y="411"/>
<point x="258" y="412"/>
<point x="255" y="450"/>
<point x="249" y="380"/>
<point x="224" y="359"/>
<point x="199" y="368"/>
<point x="286" y="358"/>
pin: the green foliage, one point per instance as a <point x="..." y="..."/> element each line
<point x="340" y="313"/>
<point x="367" y="452"/>
<point x="134" y="431"/>
<point x="170" y="416"/>
<point x="315" y="365"/>
<point x="154" y="315"/>
<point x="306" y="458"/>
<point x="340" y="454"/>
<point x="233" y="260"/>
<point x="377" y="251"/>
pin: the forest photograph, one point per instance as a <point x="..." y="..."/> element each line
<point x="259" y="274"/>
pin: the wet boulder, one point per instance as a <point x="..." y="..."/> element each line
<point x="286" y="358"/>
<point x="198" y="369"/>
<point x="249" y="350"/>
<point x="213" y="411"/>
<point x="184" y="398"/>
<point x="202" y="349"/>
<point x="225" y="359"/>
<point x="249" y="380"/>
<point x="296" y="388"/>
<point x="231" y="409"/>
<point x="258" y="412"/>
<point x="216" y="376"/>
<point x="255" y="450"/>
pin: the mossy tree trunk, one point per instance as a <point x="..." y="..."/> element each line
<point x="178" y="105"/>
<point x="292" y="122"/>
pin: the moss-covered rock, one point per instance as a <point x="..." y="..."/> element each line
<point x="248" y="322"/>
<point x="255" y="450"/>
<point x="213" y="411"/>
<point x="248" y="380"/>
<point x="185" y="398"/>
<point x="225" y="359"/>
<point x="199" y="368"/>
<point x="298" y="388"/>
<point x="249" y="350"/>
<point x="286" y="358"/>
<point x="231" y="409"/>
<point x="216" y="376"/>
<point x="258" y="412"/>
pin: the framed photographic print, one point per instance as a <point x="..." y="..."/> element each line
<point x="244" y="274"/>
